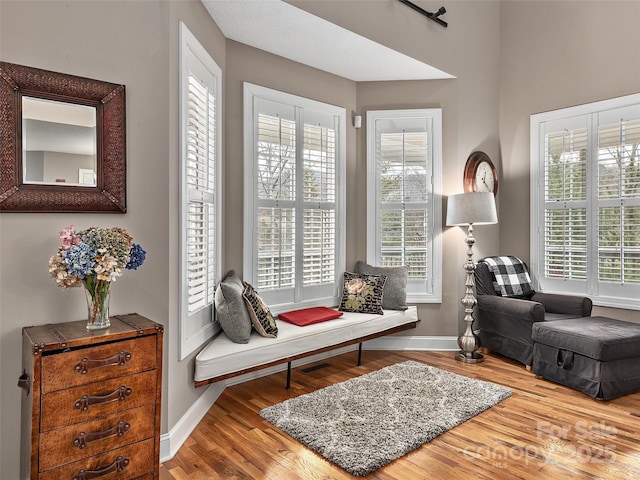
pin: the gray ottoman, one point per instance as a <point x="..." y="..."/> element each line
<point x="596" y="355"/>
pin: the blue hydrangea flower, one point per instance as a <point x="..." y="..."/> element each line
<point x="137" y="256"/>
<point x="80" y="260"/>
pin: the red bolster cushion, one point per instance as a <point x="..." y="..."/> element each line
<point x="308" y="316"/>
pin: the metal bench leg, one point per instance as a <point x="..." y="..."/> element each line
<point x="359" y="353"/>
<point x="288" y="375"/>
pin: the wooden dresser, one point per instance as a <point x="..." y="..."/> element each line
<point x="91" y="400"/>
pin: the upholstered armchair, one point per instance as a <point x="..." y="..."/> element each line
<point x="505" y="314"/>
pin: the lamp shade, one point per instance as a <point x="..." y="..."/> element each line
<point x="475" y="208"/>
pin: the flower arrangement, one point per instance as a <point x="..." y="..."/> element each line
<point x="94" y="258"/>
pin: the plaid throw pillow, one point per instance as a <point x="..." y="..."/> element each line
<point x="510" y="276"/>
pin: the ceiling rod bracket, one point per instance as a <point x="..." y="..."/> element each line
<point x="432" y="16"/>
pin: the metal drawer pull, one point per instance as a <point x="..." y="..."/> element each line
<point x="118" y="465"/>
<point x="86" y="401"/>
<point x="86" y="364"/>
<point x="117" y="430"/>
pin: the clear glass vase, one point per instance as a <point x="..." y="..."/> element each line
<point x="97" y="294"/>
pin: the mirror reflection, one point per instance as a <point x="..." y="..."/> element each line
<point x="59" y="143"/>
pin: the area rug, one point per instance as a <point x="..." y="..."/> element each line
<point x="366" y="422"/>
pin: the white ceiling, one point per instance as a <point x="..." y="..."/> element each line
<point x="282" y="29"/>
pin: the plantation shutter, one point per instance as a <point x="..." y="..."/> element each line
<point x="619" y="196"/>
<point x="402" y="198"/>
<point x="276" y="195"/>
<point x="200" y="186"/>
<point x="319" y="200"/>
<point x="565" y="197"/>
<point x="404" y="224"/>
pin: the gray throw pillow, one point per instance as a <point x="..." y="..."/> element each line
<point x="231" y="309"/>
<point x="395" y="288"/>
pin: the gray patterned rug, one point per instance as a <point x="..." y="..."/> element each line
<point x="366" y="422"/>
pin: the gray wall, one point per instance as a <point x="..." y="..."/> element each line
<point x="499" y="52"/>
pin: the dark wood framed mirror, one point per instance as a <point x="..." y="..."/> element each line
<point x="62" y="142"/>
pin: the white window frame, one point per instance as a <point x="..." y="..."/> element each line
<point x="605" y="294"/>
<point x="197" y="327"/>
<point x="302" y="297"/>
<point x="429" y="289"/>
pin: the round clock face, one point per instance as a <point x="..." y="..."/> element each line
<point x="484" y="178"/>
<point x="480" y="174"/>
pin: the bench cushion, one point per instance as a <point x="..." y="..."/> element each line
<point x="221" y="356"/>
<point x="309" y="316"/>
<point x="600" y="338"/>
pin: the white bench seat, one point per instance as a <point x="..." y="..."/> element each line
<point x="222" y="358"/>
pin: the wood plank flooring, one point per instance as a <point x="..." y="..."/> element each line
<point x="544" y="431"/>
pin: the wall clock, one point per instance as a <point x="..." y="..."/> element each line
<point x="480" y="175"/>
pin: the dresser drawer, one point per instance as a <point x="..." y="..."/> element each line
<point x="122" y="463"/>
<point x="69" y="444"/>
<point x="101" y="362"/>
<point x="87" y="402"/>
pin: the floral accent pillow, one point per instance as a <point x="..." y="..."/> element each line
<point x="261" y="317"/>
<point x="362" y="293"/>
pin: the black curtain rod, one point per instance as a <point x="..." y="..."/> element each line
<point x="432" y="16"/>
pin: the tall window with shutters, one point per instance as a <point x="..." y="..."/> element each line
<point x="585" y="221"/>
<point x="403" y="197"/>
<point x="200" y="93"/>
<point x="294" y="198"/>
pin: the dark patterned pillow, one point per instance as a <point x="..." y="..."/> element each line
<point x="261" y="316"/>
<point x="362" y="293"/>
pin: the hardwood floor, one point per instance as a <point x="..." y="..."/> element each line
<point x="543" y="431"/>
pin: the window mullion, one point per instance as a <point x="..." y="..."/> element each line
<point x="403" y="235"/>
<point x="299" y="205"/>
<point x="592" y="204"/>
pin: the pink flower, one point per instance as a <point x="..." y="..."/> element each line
<point x="355" y="286"/>
<point x="68" y="237"/>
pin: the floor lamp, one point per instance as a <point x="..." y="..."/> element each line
<point x="478" y="208"/>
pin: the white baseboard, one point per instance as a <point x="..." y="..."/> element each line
<point x="171" y="442"/>
<point x="397" y="342"/>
